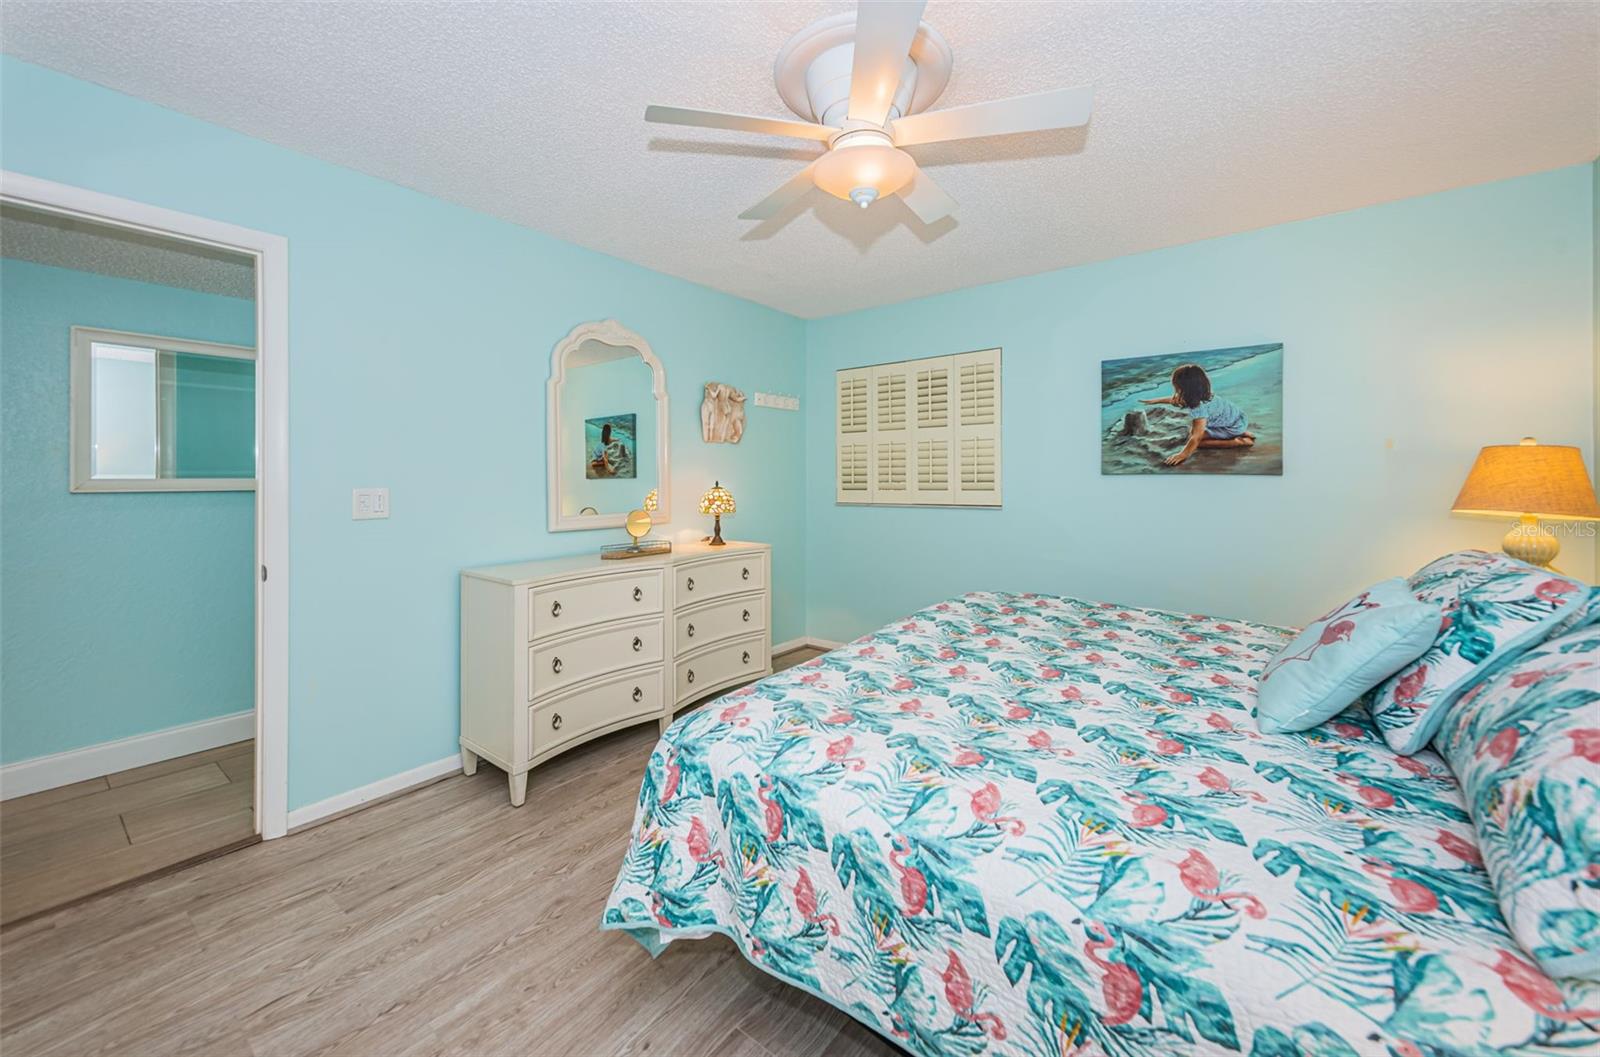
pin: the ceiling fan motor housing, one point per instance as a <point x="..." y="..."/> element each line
<point x="813" y="71"/>
<point x="828" y="86"/>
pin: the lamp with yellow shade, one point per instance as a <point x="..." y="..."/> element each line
<point x="717" y="501"/>
<point x="1529" y="481"/>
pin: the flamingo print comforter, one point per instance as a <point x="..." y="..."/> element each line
<point x="1025" y="824"/>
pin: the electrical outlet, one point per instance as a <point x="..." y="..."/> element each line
<point x="367" y="504"/>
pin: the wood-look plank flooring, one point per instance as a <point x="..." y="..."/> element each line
<point x="440" y="922"/>
<point x="66" y="843"/>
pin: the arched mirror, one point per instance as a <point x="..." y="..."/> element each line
<point x="607" y="429"/>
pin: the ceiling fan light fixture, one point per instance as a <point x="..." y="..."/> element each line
<point x="863" y="166"/>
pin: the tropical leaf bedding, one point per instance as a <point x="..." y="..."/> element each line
<point x="1026" y="824"/>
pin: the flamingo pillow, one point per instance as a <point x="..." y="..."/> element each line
<point x="1525" y="746"/>
<point x="1342" y="655"/>
<point x="1494" y="608"/>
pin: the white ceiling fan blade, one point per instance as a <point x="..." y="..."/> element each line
<point x="1061" y="108"/>
<point x="774" y="203"/>
<point x="884" y="32"/>
<point x="927" y="199"/>
<point x="771" y="126"/>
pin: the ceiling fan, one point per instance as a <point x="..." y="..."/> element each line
<point x="862" y="82"/>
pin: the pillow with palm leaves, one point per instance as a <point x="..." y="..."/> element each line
<point x="1525" y="745"/>
<point x="1494" y="607"/>
<point x="1586" y="612"/>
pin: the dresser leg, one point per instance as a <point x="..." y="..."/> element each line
<point x="666" y="721"/>
<point x="469" y="761"/>
<point x="519" y="788"/>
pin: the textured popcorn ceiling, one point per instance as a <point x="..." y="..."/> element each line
<point x="1210" y="118"/>
<point x="85" y="246"/>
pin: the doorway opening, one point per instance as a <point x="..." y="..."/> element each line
<point x="142" y="681"/>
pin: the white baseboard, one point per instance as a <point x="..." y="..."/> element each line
<point x="795" y="644"/>
<point x="301" y="817"/>
<point x="63" y="768"/>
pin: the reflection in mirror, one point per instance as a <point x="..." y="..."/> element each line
<point x="161" y="414"/>
<point x="606" y="457"/>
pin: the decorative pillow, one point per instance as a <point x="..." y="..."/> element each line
<point x="1342" y="655"/>
<point x="1494" y="607"/>
<point x="1525" y="745"/>
<point x="1581" y="615"/>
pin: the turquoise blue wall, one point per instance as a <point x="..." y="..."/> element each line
<point x="420" y="336"/>
<point x="122" y="613"/>
<point x="1414" y="333"/>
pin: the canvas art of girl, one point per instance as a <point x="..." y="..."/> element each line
<point x="1214" y="421"/>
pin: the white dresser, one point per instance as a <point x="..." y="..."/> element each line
<point x="557" y="652"/>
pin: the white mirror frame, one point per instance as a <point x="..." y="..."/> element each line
<point x="80" y="460"/>
<point x="609" y="332"/>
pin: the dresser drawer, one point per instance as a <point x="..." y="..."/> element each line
<point x="706" y="671"/>
<point x="733" y="575"/>
<point x="563" y="607"/>
<point x="721" y="620"/>
<point x="565" y="662"/>
<point x="578" y="713"/>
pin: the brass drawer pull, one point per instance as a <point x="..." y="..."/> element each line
<point x="555" y="721"/>
<point x="745" y="574"/>
<point x="746" y="657"/>
<point x="638" y="594"/>
<point x="555" y="665"/>
<point x="689" y="584"/>
<point x="555" y="609"/>
<point x="690" y="630"/>
<point x="638" y="644"/>
<point x="747" y="616"/>
<point x="691" y="675"/>
<point x="638" y="694"/>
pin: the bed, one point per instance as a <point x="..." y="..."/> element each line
<point x="1028" y="824"/>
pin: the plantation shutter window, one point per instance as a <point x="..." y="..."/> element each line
<point x="852" y="437"/>
<point x="977" y="428"/>
<point x="921" y="432"/>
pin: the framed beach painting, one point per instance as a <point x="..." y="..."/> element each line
<point x="611" y="447"/>
<point x="1213" y="411"/>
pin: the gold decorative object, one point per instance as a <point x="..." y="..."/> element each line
<point x="718" y="501"/>
<point x="1529" y="481"/>
<point x="638" y="525"/>
<point x="651" y="502"/>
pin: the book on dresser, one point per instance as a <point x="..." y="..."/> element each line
<point x="557" y="652"/>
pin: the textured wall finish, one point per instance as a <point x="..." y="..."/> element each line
<point x="122" y="613"/>
<point x="1210" y="118"/>
<point x="65" y="242"/>
<point x="1414" y="333"/>
<point x="419" y="341"/>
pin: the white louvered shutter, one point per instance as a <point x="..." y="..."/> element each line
<point x="976" y="383"/>
<point x="891" y="433"/>
<point x="932" y="462"/>
<point x="852" y="438"/>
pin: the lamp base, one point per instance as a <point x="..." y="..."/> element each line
<point x="716" y="533"/>
<point x="1528" y="541"/>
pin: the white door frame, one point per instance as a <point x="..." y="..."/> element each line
<point x="271" y="254"/>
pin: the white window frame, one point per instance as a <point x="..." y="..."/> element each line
<point x="82" y="425"/>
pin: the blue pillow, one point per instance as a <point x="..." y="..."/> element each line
<point x="1342" y="655"/>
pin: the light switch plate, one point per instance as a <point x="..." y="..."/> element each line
<point x="367" y="504"/>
